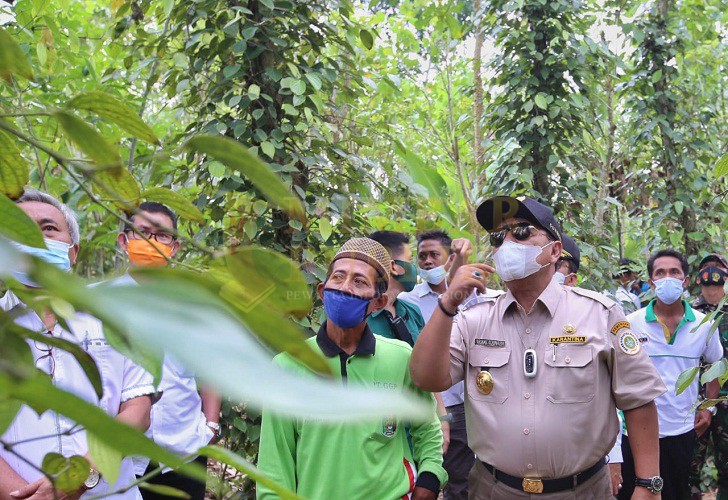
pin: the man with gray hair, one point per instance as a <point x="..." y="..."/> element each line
<point x="126" y="387"/>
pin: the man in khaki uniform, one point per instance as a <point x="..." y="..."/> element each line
<point x="543" y="365"/>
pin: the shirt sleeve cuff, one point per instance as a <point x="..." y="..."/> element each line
<point x="429" y="481"/>
<point x="135" y="391"/>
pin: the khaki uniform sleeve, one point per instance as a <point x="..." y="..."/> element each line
<point x="635" y="381"/>
<point x="458" y="349"/>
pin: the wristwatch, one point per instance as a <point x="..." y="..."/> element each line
<point x="92" y="480"/>
<point x="713" y="410"/>
<point x="214" y="426"/>
<point x="654" y="484"/>
<point x="447" y="417"/>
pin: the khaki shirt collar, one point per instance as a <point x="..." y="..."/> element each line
<point x="550" y="298"/>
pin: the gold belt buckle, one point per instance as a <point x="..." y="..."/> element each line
<point x="532" y="485"/>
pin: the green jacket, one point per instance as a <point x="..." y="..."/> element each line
<point x="321" y="460"/>
<point x="409" y="312"/>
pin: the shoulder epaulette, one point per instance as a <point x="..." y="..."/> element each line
<point x="601" y="298"/>
<point x="478" y="299"/>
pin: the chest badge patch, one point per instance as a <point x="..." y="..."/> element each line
<point x="569" y="329"/>
<point x="490" y="342"/>
<point x="571" y="339"/>
<point x="389" y="427"/>
<point x="628" y="343"/>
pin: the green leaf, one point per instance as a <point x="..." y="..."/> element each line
<point x="234" y="460"/>
<point x="118" y="185"/>
<point x="9" y="408"/>
<point x="540" y="101"/>
<point x="174" y="200"/>
<point x="721" y="168"/>
<point x="253" y="92"/>
<point x="68" y="473"/>
<point x="13" y="60"/>
<point x="14" y="171"/>
<point x="685" y="379"/>
<point x="679" y="207"/>
<point x="239" y="158"/>
<point x="268" y="148"/>
<point x="298" y="87"/>
<point x="164" y="490"/>
<point x="697" y="236"/>
<point x="715" y="371"/>
<point x="105" y="458"/>
<point x="17" y="226"/>
<point x="657" y="76"/>
<point x="366" y="39"/>
<point x="324" y="228"/>
<point x="111" y="109"/>
<point x="89" y="140"/>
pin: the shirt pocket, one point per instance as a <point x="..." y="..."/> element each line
<point x="571" y="377"/>
<point x="386" y="430"/>
<point x="495" y="361"/>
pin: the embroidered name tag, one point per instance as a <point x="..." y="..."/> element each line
<point x="568" y="340"/>
<point x="490" y="342"/>
<point x="620" y="325"/>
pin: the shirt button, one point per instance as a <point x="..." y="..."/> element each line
<point x="527" y="395"/>
<point x="486" y="360"/>
<point x="567" y="359"/>
<point x="529" y="466"/>
<point x="528" y="330"/>
<point x="526" y="431"/>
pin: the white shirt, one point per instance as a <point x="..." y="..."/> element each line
<point x="629" y="301"/>
<point x="121" y="380"/>
<point x="178" y="423"/>
<point x="688" y="346"/>
<point x="425" y="298"/>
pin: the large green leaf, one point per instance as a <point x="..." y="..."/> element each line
<point x="427" y="177"/>
<point x="105" y="458"/>
<point x="716" y="370"/>
<point x="14" y="171"/>
<point x="239" y="158"/>
<point x="119" y="186"/>
<point x="111" y="109"/>
<point x="9" y="408"/>
<point x="176" y="201"/>
<point x="192" y="324"/>
<point x="40" y="393"/>
<point x="164" y="490"/>
<point x="721" y="168"/>
<point x="12" y="58"/>
<point x="17" y="226"/>
<point x="231" y="458"/>
<point x="685" y="379"/>
<point x="68" y="473"/>
<point x="89" y="140"/>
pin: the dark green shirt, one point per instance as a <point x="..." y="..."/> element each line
<point x="410" y="313"/>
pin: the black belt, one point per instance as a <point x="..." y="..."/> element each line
<point x="535" y="485"/>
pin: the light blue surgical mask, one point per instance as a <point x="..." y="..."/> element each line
<point x="433" y="276"/>
<point x="55" y="253"/>
<point x="559" y="277"/>
<point x="669" y="290"/>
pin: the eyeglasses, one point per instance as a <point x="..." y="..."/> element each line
<point x="48" y="354"/>
<point x="521" y="232"/>
<point x="163" y="238"/>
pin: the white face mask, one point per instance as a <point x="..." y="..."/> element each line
<point x="433" y="276"/>
<point x="669" y="290"/>
<point x="559" y="277"/>
<point x="515" y="261"/>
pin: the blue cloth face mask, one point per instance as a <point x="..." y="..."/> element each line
<point x="669" y="290"/>
<point x="55" y="254"/>
<point x="433" y="276"/>
<point x="346" y="310"/>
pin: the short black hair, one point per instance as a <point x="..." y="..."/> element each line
<point x="570" y="263"/>
<point x="391" y="240"/>
<point x="437" y="234"/>
<point x="154" y="207"/>
<point x="667" y="252"/>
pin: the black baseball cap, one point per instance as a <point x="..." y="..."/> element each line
<point x="716" y="257"/>
<point x="570" y="251"/>
<point x="492" y="212"/>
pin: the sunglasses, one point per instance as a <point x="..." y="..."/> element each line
<point x="521" y="232"/>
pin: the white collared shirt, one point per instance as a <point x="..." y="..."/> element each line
<point x="178" y="423"/>
<point x="121" y="380"/>
<point x="424" y="297"/>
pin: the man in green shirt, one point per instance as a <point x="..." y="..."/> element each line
<point x="398" y="319"/>
<point x="354" y="460"/>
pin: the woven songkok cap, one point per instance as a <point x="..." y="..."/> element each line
<point x="369" y="251"/>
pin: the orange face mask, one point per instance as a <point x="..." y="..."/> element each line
<point x="145" y="254"/>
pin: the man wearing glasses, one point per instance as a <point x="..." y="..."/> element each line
<point x="543" y="367"/>
<point x="183" y="419"/>
<point x="126" y="387"/>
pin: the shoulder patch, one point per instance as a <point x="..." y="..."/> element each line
<point x="628" y="343"/>
<point x="602" y="299"/>
<point x="619" y="325"/>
